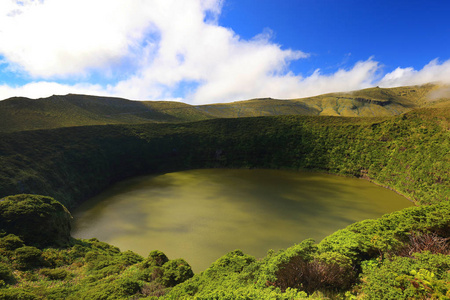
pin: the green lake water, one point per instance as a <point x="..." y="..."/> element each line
<point x="200" y="215"/>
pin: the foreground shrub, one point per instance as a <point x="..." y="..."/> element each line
<point x="110" y="288"/>
<point x="156" y="258"/>
<point x="11" y="242"/>
<point x="5" y="273"/>
<point x="419" y="242"/>
<point x="56" y="257"/>
<point x="16" y="294"/>
<point x="127" y="286"/>
<point x="55" y="274"/>
<point x="176" y="271"/>
<point x="326" y="272"/>
<point x="28" y="257"/>
<point x="38" y="220"/>
<point x="283" y="270"/>
<point x="152" y="274"/>
<point x="58" y="293"/>
<point x="129" y="258"/>
<point x="153" y="289"/>
<point x="233" y="262"/>
<point x="423" y="276"/>
<point x="369" y="239"/>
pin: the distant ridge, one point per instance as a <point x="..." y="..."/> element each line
<point x="19" y="113"/>
<point x="371" y="102"/>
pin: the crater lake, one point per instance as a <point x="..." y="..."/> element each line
<point x="200" y="215"/>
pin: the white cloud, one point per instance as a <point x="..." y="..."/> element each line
<point x="440" y="93"/>
<point x="288" y="85"/>
<point x="166" y="41"/>
<point x="43" y="89"/>
<point x="57" y="38"/>
<point x="214" y="57"/>
<point x="432" y="72"/>
<point x="146" y="49"/>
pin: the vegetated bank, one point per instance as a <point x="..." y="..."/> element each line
<point x="408" y="153"/>
<point x="374" y="258"/>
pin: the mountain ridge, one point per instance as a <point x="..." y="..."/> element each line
<point x="21" y="113"/>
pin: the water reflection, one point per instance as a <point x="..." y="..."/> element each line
<point x="202" y="214"/>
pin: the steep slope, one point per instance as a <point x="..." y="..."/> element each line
<point x="407" y="153"/>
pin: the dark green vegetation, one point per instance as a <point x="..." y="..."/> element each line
<point x="87" y="269"/>
<point x="399" y="256"/>
<point x="38" y="220"/>
<point x="408" y="153"/>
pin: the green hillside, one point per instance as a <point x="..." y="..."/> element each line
<point x="408" y="153"/>
<point x="372" y="102"/>
<point x="78" y="110"/>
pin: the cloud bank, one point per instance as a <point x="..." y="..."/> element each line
<point x="162" y="49"/>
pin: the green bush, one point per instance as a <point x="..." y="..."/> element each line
<point x="102" y="246"/>
<point x="153" y="289"/>
<point x="152" y="274"/>
<point x="107" y="271"/>
<point x="28" y="257"/>
<point x="11" y="242"/>
<point x="97" y="261"/>
<point x="56" y="257"/>
<point x="92" y="256"/>
<point x="424" y="276"/>
<point x="233" y="262"/>
<point x="55" y="274"/>
<point x="328" y="271"/>
<point x="283" y="269"/>
<point x="104" y="261"/>
<point x="156" y="258"/>
<point x="371" y="238"/>
<point x="110" y="288"/>
<point x="16" y="294"/>
<point x="127" y="286"/>
<point x="38" y="220"/>
<point x="78" y="251"/>
<point x="176" y="271"/>
<point x="129" y="258"/>
<point x="5" y="273"/>
<point x="58" y="293"/>
<point x="300" y="268"/>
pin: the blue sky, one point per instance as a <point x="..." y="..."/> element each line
<point x="339" y="33"/>
<point x="206" y="51"/>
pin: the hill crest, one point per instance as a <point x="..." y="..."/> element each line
<point x="20" y="113"/>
